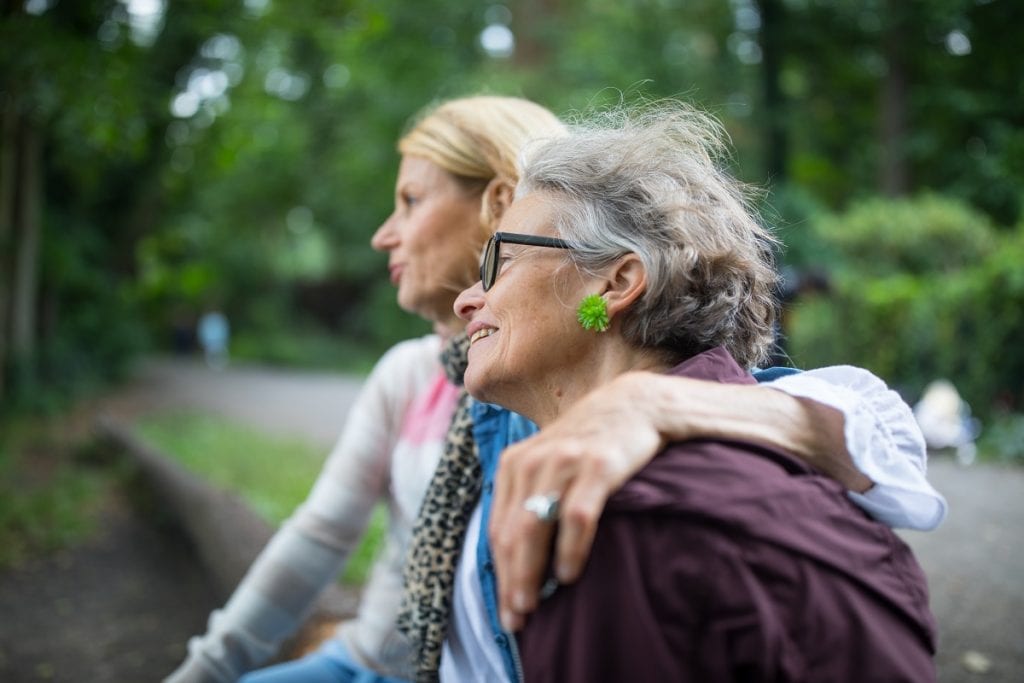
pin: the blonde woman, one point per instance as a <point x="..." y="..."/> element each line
<point x="458" y="162"/>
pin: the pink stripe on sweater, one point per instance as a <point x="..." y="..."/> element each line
<point x="431" y="412"/>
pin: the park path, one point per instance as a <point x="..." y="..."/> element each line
<point x="974" y="562"/>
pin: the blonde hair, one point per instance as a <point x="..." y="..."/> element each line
<point x="478" y="139"/>
<point x="648" y="181"/>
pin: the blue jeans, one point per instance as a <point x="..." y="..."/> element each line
<point x="330" y="664"/>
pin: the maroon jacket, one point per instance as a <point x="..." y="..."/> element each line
<point x="725" y="561"/>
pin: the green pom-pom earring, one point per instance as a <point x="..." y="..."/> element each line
<point x="593" y="313"/>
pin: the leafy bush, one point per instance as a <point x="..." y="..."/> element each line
<point x="793" y="212"/>
<point x="302" y="347"/>
<point x="923" y="235"/>
<point x="913" y="317"/>
<point x="1003" y="439"/>
<point x="88" y="329"/>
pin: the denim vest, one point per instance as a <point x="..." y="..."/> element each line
<point x="494" y="428"/>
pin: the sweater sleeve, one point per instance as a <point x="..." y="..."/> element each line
<point x="309" y="549"/>
<point x="883" y="439"/>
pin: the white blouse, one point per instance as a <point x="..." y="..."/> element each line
<point x="883" y="439"/>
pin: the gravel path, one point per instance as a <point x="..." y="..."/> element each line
<point x="116" y="609"/>
<point x="120" y="607"/>
<point x="975" y="568"/>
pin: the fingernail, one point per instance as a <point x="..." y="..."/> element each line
<point x="508" y="620"/>
<point x="563" y="572"/>
<point x="519" y="601"/>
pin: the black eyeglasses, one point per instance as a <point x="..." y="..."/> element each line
<point x="489" y="262"/>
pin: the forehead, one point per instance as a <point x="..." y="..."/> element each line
<point x="533" y="214"/>
<point x="414" y="169"/>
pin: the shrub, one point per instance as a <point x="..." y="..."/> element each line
<point x="914" y="317"/>
<point x="1004" y="438"/>
<point x="923" y="235"/>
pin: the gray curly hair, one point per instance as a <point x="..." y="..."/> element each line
<point x="648" y="181"/>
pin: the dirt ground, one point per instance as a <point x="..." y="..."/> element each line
<point x="117" y="608"/>
<point x="120" y="606"/>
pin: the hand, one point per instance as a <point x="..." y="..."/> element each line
<point x="584" y="457"/>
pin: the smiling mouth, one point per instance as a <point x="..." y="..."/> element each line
<point x="480" y="334"/>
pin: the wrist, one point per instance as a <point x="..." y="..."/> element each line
<point x="665" y="403"/>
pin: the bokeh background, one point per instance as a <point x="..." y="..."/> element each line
<point x="161" y="159"/>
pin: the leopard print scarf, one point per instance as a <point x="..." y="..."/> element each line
<point x="437" y="535"/>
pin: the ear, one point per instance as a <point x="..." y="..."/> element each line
<point x="624" y="284"/>
<point x="497" y="198"/>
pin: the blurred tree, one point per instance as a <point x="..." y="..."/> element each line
<point x="82" y="97"/>
<point x="158" y="157"/>
<point x="923" y="288"/>
<point x="904" y="96"/>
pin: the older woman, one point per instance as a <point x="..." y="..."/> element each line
<point x="627" y="250"/>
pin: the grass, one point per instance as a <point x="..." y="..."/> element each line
<point x="273" y="474"/>
<point x="48" y="498"/>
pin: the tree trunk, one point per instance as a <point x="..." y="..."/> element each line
<point x="893" y="175"/>
<point x="773" y="22"/>
<point x="27" y="235"/>
<point x="529" y="20"/>
<point x="8" y="175"/>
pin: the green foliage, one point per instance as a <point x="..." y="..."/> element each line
<point x="274" y="474"/>
<point x="1003" y="438"/>
<point x="960" y="317"/>
<point x="793" y="212"/>
<point x="925" y="234"/>
<point x="283" y="168"/>
<point x="92" y="327"/>
<point x="47" y="499"/>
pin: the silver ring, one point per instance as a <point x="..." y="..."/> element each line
<point x="545" y="506"/>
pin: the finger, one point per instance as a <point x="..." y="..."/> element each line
<point x="507" y="519"/>
<point x="516" y="471"/>
<point x="524" y="542"/>
<point x="581" y="511"/>
<point x="503" y="527"/>
<point x="528" y="554"/>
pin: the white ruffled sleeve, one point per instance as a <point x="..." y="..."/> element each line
<point x="883" y="439"/>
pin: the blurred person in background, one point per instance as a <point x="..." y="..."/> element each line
<point x="214" y="333"/>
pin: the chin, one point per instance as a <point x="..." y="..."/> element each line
<point x="405" y="304"/>
<point x="474" y="387"/>
<point x="477" y="385"/>
<point x="415" y="306"/>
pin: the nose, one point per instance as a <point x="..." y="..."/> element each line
<point x="386" y="237"/>
<point x="470" y="301"/>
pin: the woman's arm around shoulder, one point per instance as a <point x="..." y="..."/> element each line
<point x="879" y="432"/>
<point x="843" y="421"/>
